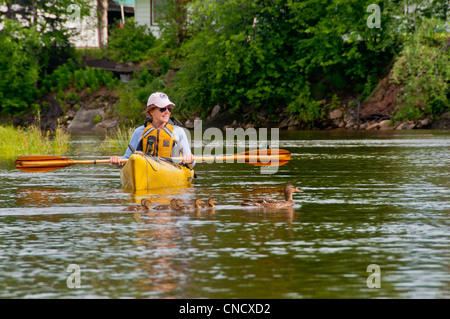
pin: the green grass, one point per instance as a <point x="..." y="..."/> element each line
<point x="116" y="143"/>
<point x="20" y="141"/>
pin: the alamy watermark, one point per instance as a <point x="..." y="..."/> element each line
<point x="219" y="146"/>
<point x="73" y="14"/>
<point x="374" y="20"/>
<point x="374" y="279"/>
<point x="74" y="279"/>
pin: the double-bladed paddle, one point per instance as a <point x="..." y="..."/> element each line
<point x="47" y="163"/>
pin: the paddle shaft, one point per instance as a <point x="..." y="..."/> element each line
<point x="61" y="163"/>
<point x="46" y="163"/>
<point x="240" y="158"/>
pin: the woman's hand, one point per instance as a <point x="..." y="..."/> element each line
<point x="114" y="160"/>
<point x="187" y="158"/>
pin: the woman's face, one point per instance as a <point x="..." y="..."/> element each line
<point x="160" y="117"/>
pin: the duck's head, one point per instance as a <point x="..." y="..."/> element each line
<point x="290" y="188"/>
<point x="197" y="202"/>
<point x="146" y="203"/>
<point x="178" y="202"/>
<point x="211" y="202"/>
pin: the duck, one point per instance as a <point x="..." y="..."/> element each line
<point x="145" y="206"/>
<point x="196" y="205"/>
<point x="174" y="204"/>
<point x="210" y="203"/>
<point x="275" y="203"/>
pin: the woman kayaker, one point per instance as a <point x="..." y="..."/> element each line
<point x="159" y="136"/>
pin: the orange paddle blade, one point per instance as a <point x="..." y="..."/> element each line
<point x="41" y="163"/>
<point x="267" y="157"/>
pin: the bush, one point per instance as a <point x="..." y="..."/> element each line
<point x="131" y="42"/>
<point x="423" y="70"/>
<point x="69" y="74"/>
<point x="60" y="79"/>
<point x="262" y="54"/>
<point x="133" y="98"/>
<point x="19" y="68"/>
<point x="94" y="79"/>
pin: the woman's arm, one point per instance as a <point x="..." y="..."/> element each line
<point x="134" y="142"/>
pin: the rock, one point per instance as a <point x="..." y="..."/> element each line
<point x="84" y="120"/>
<point x="335" y="114"/>
<point x="445" y="116"/>
<point x="341" y="124"/>
<point x="350" y="126"/>
<point x="363" y="126"/>
<point x="284" y="123"/>
<point x="107" y="125"/>
<point x="423" y="123"/>
<point x="406" y="126"/>
<point x="372" y="126"/>
<point x="189" y="124"/>
<point x="442" y="123"/>
<point x="288" y="121"/>
<point x="384" y="125"/>
<point x="215" y="111"/>
<point x="222" y="119"/>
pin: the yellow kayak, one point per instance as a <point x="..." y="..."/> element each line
<point x="143" y="172"/>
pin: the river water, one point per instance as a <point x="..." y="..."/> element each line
<point x="373" y="222"/>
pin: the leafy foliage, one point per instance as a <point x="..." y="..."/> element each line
<point x="130" y="42"/>
<point x="423" y="70"/>
<point x="19" y="70"/>
<point x="270" y="53"/>
<point x="133" y="97"/>
<point x="31" y="48"/>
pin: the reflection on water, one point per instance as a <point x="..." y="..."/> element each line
<point x="369" y="198"/>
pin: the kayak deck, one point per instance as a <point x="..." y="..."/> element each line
<point x="142" y="172"/>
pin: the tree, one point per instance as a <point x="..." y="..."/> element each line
<point x="34" y="40"/>
<point x="19" y="70"/>
<point x="48" y="18"/>
<point x="266" y="54"/>
<point x="103" y="8"/>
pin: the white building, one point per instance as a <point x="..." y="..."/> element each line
<point x="87" y="30"/>
<point x="146" y="13"/>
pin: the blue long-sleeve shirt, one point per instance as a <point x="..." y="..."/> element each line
<point x="178" y="131"/>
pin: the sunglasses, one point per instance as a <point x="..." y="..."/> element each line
<point x="162" y="110"/>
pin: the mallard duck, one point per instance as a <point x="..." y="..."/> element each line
<point x="210" y="204"/>
<point x="173" y="205"/>
<point x="196" y="205"/>
<point x="145" y="202"/>
<point x="275" y="203"/>
<point x="145" y="206"/>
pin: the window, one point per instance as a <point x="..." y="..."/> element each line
<point x="156" y="8"/>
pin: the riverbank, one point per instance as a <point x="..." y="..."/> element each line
<point x="93" y="112"/>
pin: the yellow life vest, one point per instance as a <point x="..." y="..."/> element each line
<point x="165" y="144"/>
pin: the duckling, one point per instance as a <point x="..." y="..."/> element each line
<point x="145" y="206"/>
<point x="146" y="203"/>
<point x="210" y="204"/>
<point x="173" y="205"/>
<point x="274" y="203"/>
<point x="197" y="205"/>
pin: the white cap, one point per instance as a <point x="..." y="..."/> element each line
<point x="159" y="99"/>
